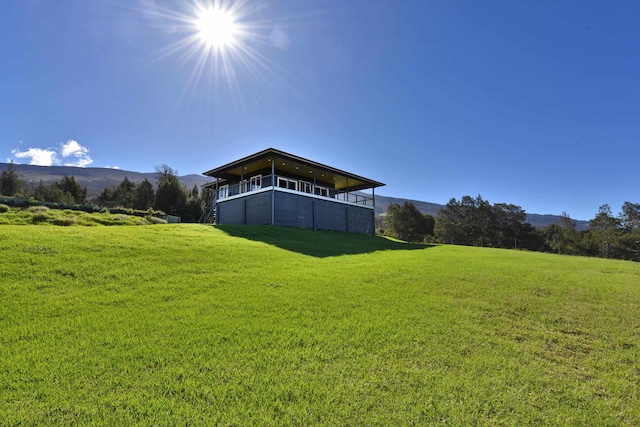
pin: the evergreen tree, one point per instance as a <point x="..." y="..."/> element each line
<point x="171" y="197"/>
<point x="604" y="228"/>
<point x="126" y="193"/>
<point x="569" y="239"/>
<point x="630" y="217"/>
<point x="145" y="195"/>
<point x="107" y="197"/>
<point x="408" y="223"/>
<point x="70" y="188"/>
<point x="10" y="182"/>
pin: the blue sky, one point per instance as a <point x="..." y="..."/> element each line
<point x="533" y="103"/>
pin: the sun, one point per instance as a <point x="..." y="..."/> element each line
<point x="216" y="27"/>
<point x="219" y="40"/>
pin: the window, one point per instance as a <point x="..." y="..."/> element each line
<point x="291" y="184"/>
<point x="255" y="183"/>
<point x="223" y="192"/>
<point x="321" y="191"/>
<point x="307" y="187"/>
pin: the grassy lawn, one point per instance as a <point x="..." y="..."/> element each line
<point x="193" y="325"/>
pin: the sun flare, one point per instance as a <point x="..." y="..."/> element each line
<point x="216" y="27"/>
<point x="217" y="39"/>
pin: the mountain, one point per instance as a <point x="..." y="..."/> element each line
<point x="537" y="220"/>
<point x="95" y="179"/>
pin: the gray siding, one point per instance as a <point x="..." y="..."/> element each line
<point x="230" y="212"/>
<point x="296" y="210"/>
<point x="253" y="209"/>
<point x="258" y="209"/>
<point x="293" y="210"/>
<point x="360" y="220"/>
<point x="331" y="216"/>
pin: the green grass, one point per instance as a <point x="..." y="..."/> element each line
<point x="42" y="215"/>
<point x="194" y="325"/>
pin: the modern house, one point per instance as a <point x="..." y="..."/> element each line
<point x="278" y="188"/>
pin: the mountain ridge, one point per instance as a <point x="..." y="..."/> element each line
<point x="96" y="179"/>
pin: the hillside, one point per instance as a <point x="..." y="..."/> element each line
<point x="260" y="325"/>
<point x="95" y="179"/>
<point x="537" y="220"/>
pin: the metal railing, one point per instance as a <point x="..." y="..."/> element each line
<point x="292" y="184"/>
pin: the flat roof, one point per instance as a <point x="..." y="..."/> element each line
<point x="292" y="165"/>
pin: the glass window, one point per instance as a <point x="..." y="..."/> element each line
<point x="306" y="187"/>
<point x="255" y="183"/>
<point x="321" y="191"/>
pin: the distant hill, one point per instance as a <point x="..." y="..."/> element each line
<point x="95" y="179"/>
<point x="537" y="220"/>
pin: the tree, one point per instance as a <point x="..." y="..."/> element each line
<point x="630" y="217"/>
<point x="473" y="221"/>
<point x="144" y="195"/>
<point x="10" y="182"/>
<point x="52" y="193"/>
<point x="569" y="240"/>
<point x="170" y="195"/>
<point x="408" y="223"/>
<point x="70" y="187"/>
<point x="450" y="224"/>
<point x="126" y="193"/>
<point x="603" y="228"/>
<point x="107" y="197"/>
<point x="507" y="224"/>
<point x="194" y="206"/>
<point x="465" y="222"/>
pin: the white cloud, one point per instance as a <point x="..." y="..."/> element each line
<point x="72" y="149"/>
<point x="50" y="156"/>
<point x="38" y="156"/>
<point x="112" y="167"/>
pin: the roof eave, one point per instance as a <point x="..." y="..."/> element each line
<point x="273" y="152"/>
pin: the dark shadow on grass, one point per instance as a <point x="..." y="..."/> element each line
<point x="317" y="243"/>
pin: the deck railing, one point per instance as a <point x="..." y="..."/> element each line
<point x="292" y="184"/>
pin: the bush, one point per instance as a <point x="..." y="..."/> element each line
<point x="156" y="220"/>
<point x="39" y="217"/>
<point x="38" y="209"/>
<point x="3" y="208"/>
<point x="64" y="221"/>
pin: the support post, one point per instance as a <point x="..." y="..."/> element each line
<point x="273" y="190"/>
<point x="373" y="197"/>
<point x="215" y="202"/>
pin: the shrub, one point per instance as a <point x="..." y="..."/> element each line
<point x="64" y="221"/>
<point x="38" y="209"/>
<point x="39" y="217"/>
<point x="156" y="220"/>
<point x="3" y="208"/>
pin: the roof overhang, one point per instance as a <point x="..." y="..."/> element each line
<point x="293" y="166"/>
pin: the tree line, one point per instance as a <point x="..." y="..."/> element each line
<point x="473" y="221"/>
<point x="470" y="221"/>
<point x="168" y="196"/>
